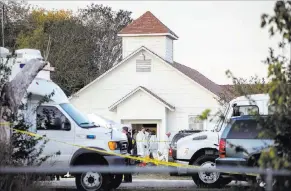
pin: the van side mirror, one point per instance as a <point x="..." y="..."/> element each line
<point x="57" y="123"/>
<point x="60" y="125"/>
<point x="67" y="125"/>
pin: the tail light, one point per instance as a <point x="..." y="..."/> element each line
<point x="170" y="152"/>
<point x="222" y="150"/>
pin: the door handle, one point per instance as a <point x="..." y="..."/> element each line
<point x="44" y="135"/>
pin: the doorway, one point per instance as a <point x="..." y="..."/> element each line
<point x="152" y="125"/>
<point x="149" y="127"/>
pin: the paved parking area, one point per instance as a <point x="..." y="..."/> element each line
<point x="144" y="184"/>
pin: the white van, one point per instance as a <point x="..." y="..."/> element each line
<point x="58" y="119"/>
<point x="102" y="121"/>
<point x="201" y="149"/>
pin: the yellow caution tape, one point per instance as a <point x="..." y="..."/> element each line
<point x="145" y="159"/>
<point x="152" y="141"/>
<point x="7" y="123"/>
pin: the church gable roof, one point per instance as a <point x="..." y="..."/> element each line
<point x="185" y="70"/>
<point x="147" y="24"/>
<point x="147" y="91"/>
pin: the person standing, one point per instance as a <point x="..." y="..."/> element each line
<point x="153" y="142"/>
<point x="128" y="177"/>
<point x="142" y="143"/>
<point x="165" y="147"/>
<point x="134" y="147"/>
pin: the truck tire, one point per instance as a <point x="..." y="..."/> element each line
<point x="92" y="181"/>
<point x="205" y="179"/>
<point x="116" y="180"/>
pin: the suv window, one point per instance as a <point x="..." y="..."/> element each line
<point x="246" y="129"/>
<point x="245" y="110"/>
<point x="51" y="118"/>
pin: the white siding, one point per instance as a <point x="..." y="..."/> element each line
<point x="161" y="45"/>
<point x="188" y="97"/>
<point x="140" y="106"/>
<point x="143" y="107"/>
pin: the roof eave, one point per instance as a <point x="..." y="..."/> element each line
<point x="174" y="37"/>
<point x="114" y="106"/>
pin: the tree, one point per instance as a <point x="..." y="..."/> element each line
<point x="70" y="54"/>
<point x="39" y="21"/>
<point x="279" y="73"/>
<point x="83" y="46"/>
<point x="277" y="124"/>
<point x="92" y="39"/>
<point x="242" y="87"/>
<point x="15" y="20"/>
<point x="12" y="93"/>
<point x="105" y="24"/>
<point x="17" y="149"/>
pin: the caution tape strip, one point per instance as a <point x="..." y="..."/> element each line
<point x="144" y="159"/>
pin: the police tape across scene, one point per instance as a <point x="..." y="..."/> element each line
<point x="136" y="158"/>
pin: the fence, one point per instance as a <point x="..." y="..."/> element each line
<point x="268" y="173"/>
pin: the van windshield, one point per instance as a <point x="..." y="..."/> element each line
<point x="77" y="116"/>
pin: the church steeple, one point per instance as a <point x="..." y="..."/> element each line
<point x="150" y="32"/>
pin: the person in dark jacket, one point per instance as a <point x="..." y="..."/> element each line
<point x="134" y="148"/>
<point x="128" y="177"/>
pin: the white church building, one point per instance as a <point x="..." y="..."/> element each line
<point x="148" y="88"/>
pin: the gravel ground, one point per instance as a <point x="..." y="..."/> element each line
<point x="153" y="184"/>
<point x="161" y="177"/>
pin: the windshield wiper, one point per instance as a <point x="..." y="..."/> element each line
<point x="90" y="125"/>
<point x="85" y="123"/>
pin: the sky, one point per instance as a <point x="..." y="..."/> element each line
<point x="214" y="36"/>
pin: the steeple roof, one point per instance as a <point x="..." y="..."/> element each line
<point x="147" y="24"/>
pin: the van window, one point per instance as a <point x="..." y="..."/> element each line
<point x="77" y="116"/>
<point x="246" y="129"/>
<point x="245" y="110"/>
<point x="51" y="118"/>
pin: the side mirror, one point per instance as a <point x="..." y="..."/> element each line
<point x="57" y="123"/>
<point x="67" y="125"/>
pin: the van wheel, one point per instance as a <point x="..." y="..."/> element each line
<point x="91" y="181"/>
<point x="208" y="179"/>
<point x="116" y="180"/>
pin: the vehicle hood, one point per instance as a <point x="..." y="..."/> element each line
<point x="201" y="136"/>
<point x="112" y="134"/>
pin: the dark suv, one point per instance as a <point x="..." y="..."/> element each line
<point x="241" y="143"/>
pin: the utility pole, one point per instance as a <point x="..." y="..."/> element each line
<point x="2" y="23"/>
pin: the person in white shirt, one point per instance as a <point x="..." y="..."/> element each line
<point x="165" y="146"/>
<point x="142" y="143"/>
<point x="153" y="145"/>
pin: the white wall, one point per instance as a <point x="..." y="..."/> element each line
<point x="140" y="106"/>
<point x="161" y="45"/>
<point x="143" y="107"/>
<point x="187" y="96"/>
